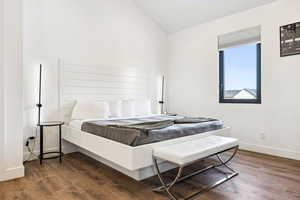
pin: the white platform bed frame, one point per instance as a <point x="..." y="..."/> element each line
<point x="102" y="83"/>
<point x="135" y="162"/>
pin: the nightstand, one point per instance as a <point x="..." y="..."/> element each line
<point x="42" y="153"/>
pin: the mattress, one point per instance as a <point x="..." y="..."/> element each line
<point x="135" y="137"/>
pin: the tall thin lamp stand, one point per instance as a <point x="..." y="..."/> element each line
<point x="161" y="102"/>
<point x="39" y="105"/>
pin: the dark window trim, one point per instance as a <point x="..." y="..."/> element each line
<point x="258" y="78"/>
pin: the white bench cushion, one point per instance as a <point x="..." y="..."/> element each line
<point x="190" y="151"/>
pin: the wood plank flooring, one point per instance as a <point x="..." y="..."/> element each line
<point x="261" y="177"/>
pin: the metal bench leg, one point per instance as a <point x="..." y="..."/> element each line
<point x="225" y="179"/>
<point x="224" y="163"/>
<point x="166" y="187"/>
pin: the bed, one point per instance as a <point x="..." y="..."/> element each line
<point x="102" y="83"/>
<point x="133" y="161"/>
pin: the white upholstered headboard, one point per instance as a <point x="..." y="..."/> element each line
<point x="105" y="83"/>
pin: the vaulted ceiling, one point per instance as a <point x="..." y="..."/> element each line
<point x="174" y="15"/>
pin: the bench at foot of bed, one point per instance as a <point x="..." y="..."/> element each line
<point x="187" y="153"/>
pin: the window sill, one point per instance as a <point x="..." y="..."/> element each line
<point x="240" y="101"/>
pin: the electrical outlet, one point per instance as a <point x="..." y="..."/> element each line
<point x="262" y="135"/>
<point x="29" y="139"/>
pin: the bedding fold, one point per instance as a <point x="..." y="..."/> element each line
<point x="146" y="126"/>
<point x="188" y="120"/>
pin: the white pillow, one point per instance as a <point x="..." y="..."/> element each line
<point x="90" y="110"/>
<point x="115" y="108"/>
<point x="128" y="108"/>
<point x="142" y="107"/>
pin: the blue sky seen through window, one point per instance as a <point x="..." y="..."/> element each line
<point x="240" y="67"/>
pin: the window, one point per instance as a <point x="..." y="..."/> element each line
<point x="240" y="74"/>
<point x="240" y="69"/>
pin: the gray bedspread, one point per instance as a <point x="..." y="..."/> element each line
<point x="139" y="131"/>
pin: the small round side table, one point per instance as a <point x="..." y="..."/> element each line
<point x="42" y="153"/>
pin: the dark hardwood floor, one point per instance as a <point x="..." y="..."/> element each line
<point x="261" y="177"/>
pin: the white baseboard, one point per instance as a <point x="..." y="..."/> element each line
<point x="69" y="148"/>
<point x="12" y="173"/>
<point x="271" y="150"/>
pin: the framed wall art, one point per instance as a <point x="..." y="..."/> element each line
<point x="290" y="39"/>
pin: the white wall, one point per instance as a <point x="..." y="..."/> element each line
<point x="107" y="32"/>
<point x="1" y="93"/>
<point x="11" y="137"/>
<point x="193" y="80"/>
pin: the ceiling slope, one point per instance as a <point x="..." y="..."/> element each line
<point x="174" y="15"/>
